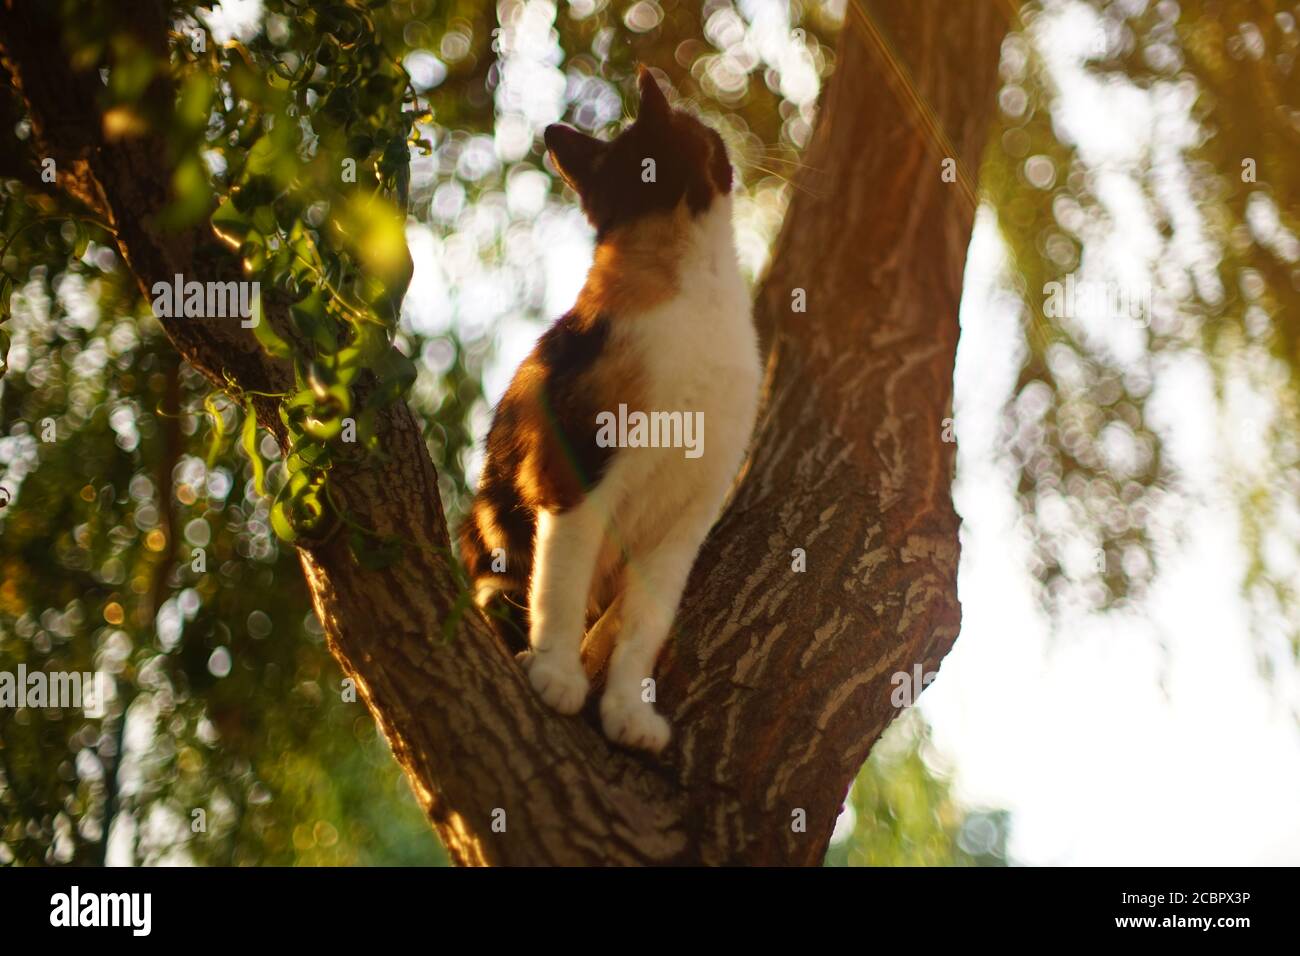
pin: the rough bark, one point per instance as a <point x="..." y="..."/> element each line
<point x="777" y="681"/>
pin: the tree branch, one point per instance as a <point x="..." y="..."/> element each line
<point x="780" y="680"/>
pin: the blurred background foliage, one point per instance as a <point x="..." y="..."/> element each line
<point x="1192" y="229"/>
<point x="137" y="543"/>
<point x="901" y="810"/>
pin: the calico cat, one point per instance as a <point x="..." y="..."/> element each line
<point x="571" y="512"/>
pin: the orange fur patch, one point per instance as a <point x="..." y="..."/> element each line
<point x="636" y="267"/>
<point x="488" y="529"/>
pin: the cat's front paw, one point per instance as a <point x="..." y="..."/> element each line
<point x="562" y="686"/>
<point x="631" y="721"/>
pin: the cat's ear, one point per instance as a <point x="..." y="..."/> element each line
<point x="574" y="154"/>
<point x="654" y="106"/>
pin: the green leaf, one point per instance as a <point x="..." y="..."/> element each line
<point x="218" y="428"/>
<point x="275" y="346"/>
<point x="295" y="408"/>
<point x="264" y="220"/>
<point x="191" y="195"/>
<point x="396" y="374"/>
<point x="307" y="453"/>
<point x="192" y="106"/>
<point x="280" y="522"/>
<point x="82" y="241"/>
<point x="299" y="507"/>
<point x="368" y="344"/>
<point x="248" y="439"/>
<point x="261" y="158"/>
<point x="313" y="321"/>
<point x="231" y="225"/>
<point x="325" y="420"/>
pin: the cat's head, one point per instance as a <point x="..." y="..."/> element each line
<point x="664" y="158"/>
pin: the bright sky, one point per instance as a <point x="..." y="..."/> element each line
<point x="1145" y="737"/>
<point x="1132" y="738"/>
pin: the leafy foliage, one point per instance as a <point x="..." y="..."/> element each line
<point x="1220" y="273"/>
<point x="904" y="813"/>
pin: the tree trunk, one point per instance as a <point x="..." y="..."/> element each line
<point x="777" y="681"/>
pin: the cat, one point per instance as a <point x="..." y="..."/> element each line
<point x="567" y="515"/>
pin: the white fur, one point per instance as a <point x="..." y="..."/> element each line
<point x="649" y="514"/>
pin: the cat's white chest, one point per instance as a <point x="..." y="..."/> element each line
<point x="699" y="349"/>
<point x="699" y="354"/>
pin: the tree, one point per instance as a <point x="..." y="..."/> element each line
<point x="833" y="568"/>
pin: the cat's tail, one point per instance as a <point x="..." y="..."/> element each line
<point x="507" y="609"/>
<point x="500" y="584"/>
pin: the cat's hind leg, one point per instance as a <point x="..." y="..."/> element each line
<point x="654" y="583"/>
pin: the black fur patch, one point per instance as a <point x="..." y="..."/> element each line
<point x="687" y="159"/>
<point x="546" y="418"/>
